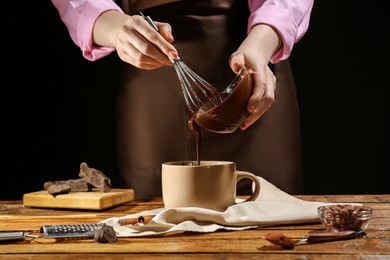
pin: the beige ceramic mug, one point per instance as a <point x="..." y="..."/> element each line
<point x="211" y="185"/>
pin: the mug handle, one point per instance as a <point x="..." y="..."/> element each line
<point x="247" y="175"/>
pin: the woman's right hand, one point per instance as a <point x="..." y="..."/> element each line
<point x="135" y="41"/>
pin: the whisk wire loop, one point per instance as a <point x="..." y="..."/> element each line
<point x="198" y="93"/>
<point x="187" y="96"/>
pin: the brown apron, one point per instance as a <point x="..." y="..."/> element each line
<point x="152" y="116"/>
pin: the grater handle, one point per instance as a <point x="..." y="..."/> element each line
<point x="6" y="236"/>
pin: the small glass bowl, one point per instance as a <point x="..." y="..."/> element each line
<point x="341" y="217"/>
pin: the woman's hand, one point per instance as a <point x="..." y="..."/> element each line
<point x="135" y="41"/>
<point x="255" y="53"/>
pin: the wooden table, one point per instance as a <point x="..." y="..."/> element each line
<point x="247" y="244"/>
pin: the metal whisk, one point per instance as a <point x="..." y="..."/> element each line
<point x="198" y="93"/>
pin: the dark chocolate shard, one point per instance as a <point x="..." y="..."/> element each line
<point x="105" y="234"/>
<point x="58" y="189"/>
<point x="95" y="177"/>
<point x="74" y="184"/>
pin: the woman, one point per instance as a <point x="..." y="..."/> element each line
<point x="214" y="38"/>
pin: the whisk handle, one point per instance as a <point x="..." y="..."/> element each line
<point x="149" y="20"/>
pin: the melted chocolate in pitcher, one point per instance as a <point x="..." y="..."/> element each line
<point x="227" y="116"/>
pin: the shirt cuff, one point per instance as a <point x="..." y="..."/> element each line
<point x="282" y="22"/>
<point x="88" y="16"/>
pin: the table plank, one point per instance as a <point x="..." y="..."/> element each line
<point x="250" y="241"/>
<point x="195" y="256"/>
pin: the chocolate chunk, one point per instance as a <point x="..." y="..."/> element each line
<point x="58" y="189"/>
<point x="74" y="184"/>
<point x="95" y="177"/>
<point x="105" y="234"/>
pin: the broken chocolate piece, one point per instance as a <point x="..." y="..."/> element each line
<point x="58" y="189"/>
<point x="74" y="184"/>
<point x="105" y="234"/>
<point x="95" y="177"/>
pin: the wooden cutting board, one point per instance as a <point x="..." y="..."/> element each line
<point x="94" y="200"/>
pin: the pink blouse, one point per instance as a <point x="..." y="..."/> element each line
<point x="289" y="17"/>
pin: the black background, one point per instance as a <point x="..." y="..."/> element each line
<point x="58" y="108"/>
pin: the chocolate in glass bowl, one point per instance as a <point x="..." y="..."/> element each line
<point x="343" y="217"/>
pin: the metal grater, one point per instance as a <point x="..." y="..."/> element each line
<point x="69" y="231"/>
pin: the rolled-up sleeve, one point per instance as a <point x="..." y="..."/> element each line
<point x="290" y="18"/>
<point x="79" y="17"/>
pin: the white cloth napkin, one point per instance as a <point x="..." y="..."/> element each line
<point x="273" y="207"/>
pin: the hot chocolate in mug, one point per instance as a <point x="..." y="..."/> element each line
<point x="211" y="185"/>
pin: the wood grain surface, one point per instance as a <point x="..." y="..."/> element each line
<point x="246" y="244"/>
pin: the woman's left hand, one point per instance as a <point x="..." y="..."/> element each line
<point x="255" y="53"/>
